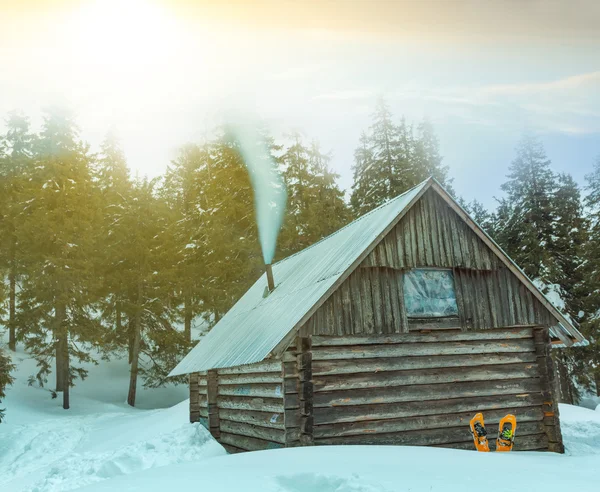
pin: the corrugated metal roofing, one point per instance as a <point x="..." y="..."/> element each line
<point x="255" y="325"/>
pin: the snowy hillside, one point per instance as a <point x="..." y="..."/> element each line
<point x="103" y="445"/>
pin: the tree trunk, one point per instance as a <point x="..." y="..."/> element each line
<point x="61" y="346"/>
<point x="130" y="338"/>
<point x="187" y="331"/>
<point x="118" y="321"/>
<point x="12" y="326"/>
<point x="66" y="370"/>
<point x="135" y="354"/>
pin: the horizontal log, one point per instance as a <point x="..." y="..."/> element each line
<point x="264" y="419"/>
<point x="247" y="443"/>
<point x="273" y="365"/>
<point x="420" y="349"/>
<point x="321" y="368"/>
<point x="428" y="437"/>
<point x="331" y="415"/>
<point x="231" y="449"/>
<point x="249" y="430"/>
<point x="251" y="378"/>
<point x="274" y="405"/>
<point x="526" y="414"/>
<point x="535" y="442"/>
<point x="251" y="390"/>
<point x="425" y="376"/>
<point x="417" y="324"/>
<point x="290" y="370"/>
<point x="435" y="337"/>
<point x="425" y="392"/>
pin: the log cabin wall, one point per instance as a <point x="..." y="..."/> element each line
<point x="243" y="405"/>
<point x="422" y="389"/>
<point x="430" y="235"/>
<point x="199" y="398"/>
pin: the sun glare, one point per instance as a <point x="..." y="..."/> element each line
<point x="123" y="33"/>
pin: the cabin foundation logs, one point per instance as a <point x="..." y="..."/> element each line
<point x="404" y="389"/>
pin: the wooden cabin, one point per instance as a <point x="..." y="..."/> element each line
<point x="396" y="329"/>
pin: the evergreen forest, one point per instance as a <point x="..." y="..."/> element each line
<point x="100" y="263"/>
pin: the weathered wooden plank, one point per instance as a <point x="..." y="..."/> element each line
<point x="231" y="449"/>
<point x="425" y="392"/>
<point x="536" y="442"/>
<point x="492" y="418"/>
<point x="251" y="390"/>
<point x="260" y="367"/>
<point x="356" y="303"/>
<point x="263" y="419"/>
<point x="367" y="303"/>
<point x="425" y="437"/>
<point x="513" y="403"/>
<point x="251" y="378"/>
<point x="377" y="300"/>
<point x="426" y="232"/>
<point x="425" y="376"/>
<point x="248" y="443"/>
<point x="346" y="300"/>
<point x="434" y="337"/>
<point x="413" y="349"/>
<point x="352" y="366"/>
<point x="250" y="430"/>
<point x="386" y="300"/>
<point x="246" y="403"/>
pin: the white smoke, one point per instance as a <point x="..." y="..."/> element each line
<point x="270" y="196"/>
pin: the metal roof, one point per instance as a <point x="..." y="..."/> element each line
<point x="256" y="324"/>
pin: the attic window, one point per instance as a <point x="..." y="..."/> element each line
<point x="430" y="293"/>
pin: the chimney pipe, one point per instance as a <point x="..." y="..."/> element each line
<point x="270" y="281"/>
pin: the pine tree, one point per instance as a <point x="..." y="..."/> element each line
<point x="526" y="216"/>
<point x="153" y="343"/>
<point x="570" y="236"/>
<point x="316" y="206"/>
<point x="58" y="236"/>
<point x="390" y="160"/>
<point x="428" y="161"/>
<point x="15" y="169"/>
<point x="183" y="190"/>
<point x="114" y="186"/>
<point x="378" y="178"/>
<point x="6" y="366"/>
<point x="591" y="273"/>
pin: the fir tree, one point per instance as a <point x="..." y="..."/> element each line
<point x="428" y="161"/>
<point x="526" y="216"/>
<point x="15" y="169"/>
<point x="390" y="160"/>
<point x="316" y="206"/>
<point x="58" y="233"/>
<point x="154" y="344"/>
<point x="6" y="366"/>
<point x="591" y="273"/>
<point x="183" y="190"/>
<point x="114" y="186"/>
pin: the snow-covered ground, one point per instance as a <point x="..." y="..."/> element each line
<point x="101" y="444"/>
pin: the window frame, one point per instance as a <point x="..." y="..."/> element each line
<point x="432" y="322"/>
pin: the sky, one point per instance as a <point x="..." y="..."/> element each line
<point x="163" y="73"/>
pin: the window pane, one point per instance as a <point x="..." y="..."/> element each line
<point x="429" y="294"/>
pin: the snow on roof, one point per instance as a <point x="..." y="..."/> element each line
<point x="257" y="324"/>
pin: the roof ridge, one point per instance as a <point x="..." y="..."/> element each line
<point x="353" y="222"/>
